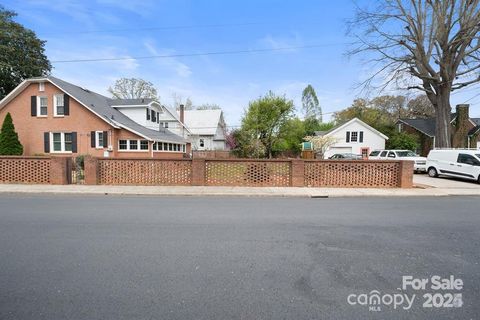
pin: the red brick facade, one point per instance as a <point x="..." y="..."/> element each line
<point x="80" y="120"/>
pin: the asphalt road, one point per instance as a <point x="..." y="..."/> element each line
<point x="108" y="257"/>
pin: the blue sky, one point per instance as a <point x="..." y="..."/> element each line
<point x="112" y="28"/>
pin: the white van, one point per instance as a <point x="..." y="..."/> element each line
<point x="460" y="163"/>
<point x="419" y="163"/>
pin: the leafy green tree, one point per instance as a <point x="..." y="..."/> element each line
<point x="9" y="143"/>
<point x="265" y="119"/>
<point x="22" y="53"/>
<point x="311" y="105"/>
<point x="402" y="140"/>
<point x="293" y="132"/>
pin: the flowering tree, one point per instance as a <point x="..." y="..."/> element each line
<point x="321" y="144"/>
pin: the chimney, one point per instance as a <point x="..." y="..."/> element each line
<point x="182" y="113"/>
<point x="462" y="114"/>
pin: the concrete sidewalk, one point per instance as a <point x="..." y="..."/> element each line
<point x="234" y="191"/>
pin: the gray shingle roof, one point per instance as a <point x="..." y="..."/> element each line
<point x="101" y="105"/>
<point x="129" y="102"/>
<point x="427" y="126"/>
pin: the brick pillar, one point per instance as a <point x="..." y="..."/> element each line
<point x="406" y="174"/>
<point x="198" y="172"/>
<point x="297" y="173"/>
<point x="91" y="170"/>
<point x="59" y="170"/>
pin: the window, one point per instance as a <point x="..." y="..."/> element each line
<point x="400" y="127"/>
<point x="61" y="141"/>
<point x="354" y="136"/>
<point x="154" y="119"/>
<point x="148" y="114"/>
<point x="174" y="147"/>
<point x="57" y="142"/>
<point x="42" y="107"/>
<point x="391" y="154"/>
<point x="202" y="143"/>
<point x="41" y="86"/>
<point x="164" y="125"/>
<point x="374" y="153"/>
<point x="468" y="159"/>
<point x="68" y="142"/>
<point x="158" y="117"/>
<point x="383" y="154"/>
<point x="59" y="105"/>
<point x="99" y="139"/>
<point x="133" y="144"/>
<point x="122" y="145"/>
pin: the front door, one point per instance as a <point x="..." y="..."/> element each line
<point x="365" y="152"/>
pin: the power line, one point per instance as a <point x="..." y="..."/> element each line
<point x="212" y="53"/>
<point x="478" y="94"/>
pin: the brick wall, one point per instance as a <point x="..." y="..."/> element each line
<point x="252" y="173"/>
<point x="255" y="173"/>
<point x="138" y="171"/>
<point x="33" y="170"/>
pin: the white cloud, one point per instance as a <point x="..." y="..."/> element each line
<point x="181" y="69"/>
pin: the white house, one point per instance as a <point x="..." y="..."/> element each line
<point x="354" y="136"/>
<point x="207" y="129"/>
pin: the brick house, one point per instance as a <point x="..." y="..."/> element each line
<point x="465" y="130"/>
<point x="55" y="117"/>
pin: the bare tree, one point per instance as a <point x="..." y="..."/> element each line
<point x="428" y="45"/>
<point x="133" y="88"/>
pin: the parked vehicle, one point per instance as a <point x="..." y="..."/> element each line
<point x="420" y="163"/>
<point x="346" y="156"/>
<point x="460" y="163"/>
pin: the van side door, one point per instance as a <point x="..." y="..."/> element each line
<point x="466" y="166"/>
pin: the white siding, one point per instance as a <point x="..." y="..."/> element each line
<point x="371" y="140"/>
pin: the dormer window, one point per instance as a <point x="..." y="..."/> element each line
<point x="41" y="86"/>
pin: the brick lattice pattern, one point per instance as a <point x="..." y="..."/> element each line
<point x="247" y="173"/>
<point x="25" y="170"/>
<point x="144" y="172"/>
<point x="368" y="174"/>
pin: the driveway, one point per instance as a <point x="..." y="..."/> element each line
<point x="132" y="257"/>
<point x="444" y="182"/>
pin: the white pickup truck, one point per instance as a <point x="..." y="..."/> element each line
<point x="420" y="163"/>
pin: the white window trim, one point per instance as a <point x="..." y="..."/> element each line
<point x="39" y="107"/>
<point x="180" y="150"/>
<point x="55" y="106"/>
<point x="134" y="150"/>
<point x="62" y="143"/>
<point x="97" y="140"/>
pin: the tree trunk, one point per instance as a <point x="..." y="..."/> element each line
<point x="443" y="137"/>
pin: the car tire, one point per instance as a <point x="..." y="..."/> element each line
<point x="432" y="172"/>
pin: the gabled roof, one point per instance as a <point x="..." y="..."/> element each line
<point x="346" y="124"/>
<point x="427" y="126"/>
<point x="203" y="122"/>
<point x="101" y="107"/>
